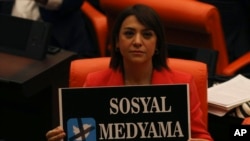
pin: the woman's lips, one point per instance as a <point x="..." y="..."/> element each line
<point x="136" y="51"/>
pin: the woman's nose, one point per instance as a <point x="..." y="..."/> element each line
<point x="137" y="41"/>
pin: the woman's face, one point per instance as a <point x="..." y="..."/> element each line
<point x="137" y="43"/>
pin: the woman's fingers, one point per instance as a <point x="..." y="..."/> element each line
<point x="55" y="134"/>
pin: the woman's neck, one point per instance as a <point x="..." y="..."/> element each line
<point x="138" y="74"/>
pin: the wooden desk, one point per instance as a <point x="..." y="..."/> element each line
<point x="28" y="94"/>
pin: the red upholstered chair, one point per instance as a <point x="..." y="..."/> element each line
<point x="81" y="67"/>
<point x="187" y="22"/>
<point x="246" y="121"/>
<point x="99" y="23"/>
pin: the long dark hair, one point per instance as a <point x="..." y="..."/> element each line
<point x="150" y="19"/>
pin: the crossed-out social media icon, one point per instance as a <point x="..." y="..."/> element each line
<point x="81" y="129"/>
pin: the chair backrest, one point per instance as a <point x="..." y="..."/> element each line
<point x="99" y="25"/>
<point x="187" y="22"/>
<point x="204" y="55"/>
<point x="80" y="68"/>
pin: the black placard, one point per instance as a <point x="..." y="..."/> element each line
<point x="154" y="112"/>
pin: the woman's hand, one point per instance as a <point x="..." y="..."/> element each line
<point x="56" y="134"/>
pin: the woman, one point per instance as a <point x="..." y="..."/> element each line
<point x="138" y="58"/>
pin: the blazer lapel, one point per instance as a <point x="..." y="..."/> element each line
<point x="158" y="77"/>
<point x="115" y="79"/>
<point x="161" y="77"/>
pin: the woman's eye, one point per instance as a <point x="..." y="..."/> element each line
<point x="129" y="33"/>
<point x="147" y="34"/>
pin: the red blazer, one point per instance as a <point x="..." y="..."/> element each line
<point x="110" y="77"/>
